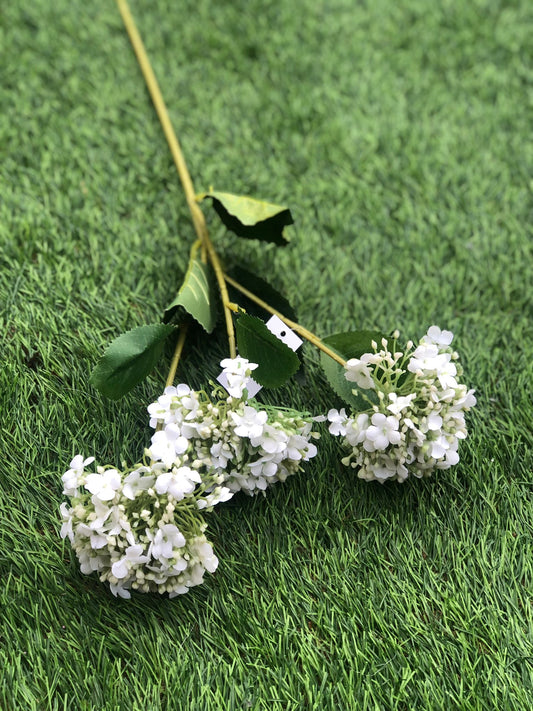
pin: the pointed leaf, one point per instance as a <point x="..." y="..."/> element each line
<point x="265" y="291"/>
<point x="276" y="360"/>
<point x="196" y="295"/>
<point x="251" y="218"/>
<point x="129" y="359"/>
<point x="349" y="344"/>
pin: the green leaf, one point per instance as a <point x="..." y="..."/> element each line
<point x="263" y="290"/>
<point x="196" y="295"/>
<point x="276" y="361"/>
<point x="129" y="359"/>
<point x="251" y="218"/>
<point x="349" y="344"/>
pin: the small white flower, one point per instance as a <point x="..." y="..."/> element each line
<point x="250" y="423"/>
<point x="298" y="447"/>
<point x="105" y="485"/>
<point x="427" y="358"/>
<point x="167" y="538"/>
<point x="73" y="478"/>
<point x="101" y="513"/>
<point x="204" y="551"/>
<point x="386" y="468"/>
<point x="357" y="371"/>
<point x="438" y="337"/>
<point x="465" y="401"/>
<point x="338" y="422"/>
<point x="78" y="464"/>
<point x="434" y="421"/>
<point x="398" y="404"/>
<point x="382" y="432"/>
<point x="272" y="440"/>
<point x="178" y="482"/>
<point x="134" y="556"/>
<point x="167" y="444"/>
<point x="118" y="589"/>
<point x="221" y="454"/>
<point x="135" y="482"/>
<point x="66" y="528"/>
<point x="439" y="447"/>
<point x="97" y="539"/>
<point x="219" y="495"/>
<point x="356" y="429"/>
<point x="237" y="372"/>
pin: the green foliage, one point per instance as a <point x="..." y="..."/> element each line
<point x="129" y="359"/>
<point x="348" y="344"/>
<point x="276" y="361"/>
<point x="251" y="218"/>
<point x="197" y="295"/>
<point x="261" y="288"/>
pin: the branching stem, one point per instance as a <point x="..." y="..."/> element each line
<point x="181" y="166"/>
<point x="207" y="248"/>
<point x="303" y="332"/>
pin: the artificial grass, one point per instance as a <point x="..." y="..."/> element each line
<point x="398" y="133"/>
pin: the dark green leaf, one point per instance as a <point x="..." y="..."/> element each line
<point x="196" y="295"/>
<point x="129" y="359"/>
<point x="276" y="360"/>
<point x="349" y="344"/>
<point x="251" y="218"/>
<point x="263" y="290"/>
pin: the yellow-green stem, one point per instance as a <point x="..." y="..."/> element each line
<point x="175" y="361"/>
<point x="181" y="166"/>
<point x="303" y="332"/>
<point x="177" y="355"/>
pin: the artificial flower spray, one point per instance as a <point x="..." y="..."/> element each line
<point x="143" y="527"/>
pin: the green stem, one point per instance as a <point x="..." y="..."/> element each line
<point x="177" y="355"/>
<point x="303" y="332"/>
<point x="181" y="166"/>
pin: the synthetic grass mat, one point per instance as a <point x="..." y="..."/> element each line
<point x="399" y="135"/>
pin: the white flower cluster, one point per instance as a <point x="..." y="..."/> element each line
<point x="232" y="445"/>
<point x="415" y="415"/>
<point x="141" y="528"/>
<point x="132" y="530"/>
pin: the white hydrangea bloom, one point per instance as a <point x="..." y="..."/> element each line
<point x="137" y="529"/>
<point x="137" y="481"/>
<point x="416" y="419"/>
<point x="126" y="531"/>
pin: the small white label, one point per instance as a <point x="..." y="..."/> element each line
<point x="276" y="326"/>
<point x="251" y="386"/>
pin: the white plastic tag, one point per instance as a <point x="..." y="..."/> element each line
<point x="276" y="326"/>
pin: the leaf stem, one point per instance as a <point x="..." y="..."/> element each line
<point x="315" y="340"/>
<point x="181" y="166"/>
<point x="177" y="354"/>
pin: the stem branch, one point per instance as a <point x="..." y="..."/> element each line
<point x="177" y="355"/>
<point x="303" y="332"/>
<point x="181" y="166"/>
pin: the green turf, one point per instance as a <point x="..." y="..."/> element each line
<point x="399" y="132"/>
